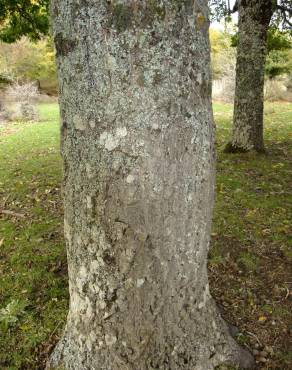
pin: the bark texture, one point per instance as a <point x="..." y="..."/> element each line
<point x="137" y="144"/>
<point x="254" y="20"/>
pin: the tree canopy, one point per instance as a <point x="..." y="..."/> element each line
<point x="282" y="16"/>
<point x="279" y="46"/>
<point x="23" y="18"/>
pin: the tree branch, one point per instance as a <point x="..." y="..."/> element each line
<point x="236" y="6"/>
<point x="284" y="10"/>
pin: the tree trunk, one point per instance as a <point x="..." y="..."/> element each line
<point x="137" y="144"/>
<point x="254" y="19"/>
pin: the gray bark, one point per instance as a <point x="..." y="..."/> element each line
<point x="138" y="151"/>
<point x="254" y="19"/>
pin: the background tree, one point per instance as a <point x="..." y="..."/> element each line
<point x="255" y="18"/>
<point x="278" y="65"/>
<point x="254" y="21"/>
<point x="138" y="151"/>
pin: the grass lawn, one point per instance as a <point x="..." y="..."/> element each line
<point x="250" y="260"/>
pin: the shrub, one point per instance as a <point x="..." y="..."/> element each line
<point x="23" y="98"/>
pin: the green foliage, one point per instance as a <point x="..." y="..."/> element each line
<point x="278" y="63"/>
<point x="219" y="9"/>
<point x="10" y="314"/>
<point x="26" y="61"/>
<point x="279" y="59"/>
<point x="234" y="40"/>
<point x="279" y="46"/>
<point x="23" y="17"/>
<point x="222" y="55"/>
<point x="281" y="17"/>
<point x="278" y="40"/>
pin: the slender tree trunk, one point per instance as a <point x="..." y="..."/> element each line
<point x="254" y="19"/>
<point x="137" y="143"/>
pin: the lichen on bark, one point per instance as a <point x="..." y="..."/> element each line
<point x="122" y="17"/>
<point x="138" y="152"/>
<point x="126" y="14"/>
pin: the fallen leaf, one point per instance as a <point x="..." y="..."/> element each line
<point x="262" y="319"/>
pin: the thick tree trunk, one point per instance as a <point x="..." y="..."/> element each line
<point x="137" y="143"/>
<point x="254" y="19"/>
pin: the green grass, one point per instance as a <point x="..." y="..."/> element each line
<point x="250" y="259"/>
<point x="32" y="257"/>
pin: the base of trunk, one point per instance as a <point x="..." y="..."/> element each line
<point x="234" y="149"/>
<point x="204" y="347"/>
